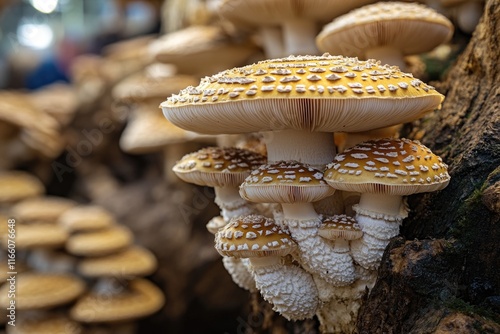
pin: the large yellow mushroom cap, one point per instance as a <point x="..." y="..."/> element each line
<point x="315" y="93"/>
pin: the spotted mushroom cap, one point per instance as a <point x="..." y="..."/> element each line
<point x="41" y="291"/>
<point x="17" y="185"/>
<point x="217" y="167"/>
<point x="253" y="236"/>
<point x="388" y="166"/>
<point x="86" y="218"/>
<point x="340" y="227"/>
<point x="315" y="93"/>
<point x="397" y="24"/>
<point x="101" y="242"/>
<point x="285" y="182"/>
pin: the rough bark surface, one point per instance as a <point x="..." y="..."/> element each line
<point x="443" y="274"/>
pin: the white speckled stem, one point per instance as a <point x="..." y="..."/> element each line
<point x="316" y="254"/>
<point x="231" y="204"/>
<point x="239" y="272"/>
<point x="272" y="40"/>
<point x="314" y="148"/>
<point x="300" y="37"/>
<point x="289" y="288"/>
<point x="387" y="55"/>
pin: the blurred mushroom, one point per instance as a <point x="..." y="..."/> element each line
<point x="101" y="242"/>
<point x="45" y="323"/>
<point x="46" y="209"/>
<point x="57" y="100"/>
<point x="84" y="218"/>
<point x="18" y="185"/>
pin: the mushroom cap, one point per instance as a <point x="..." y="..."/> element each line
<point x="397" y="24"/>
<point x="86" y="218"/>
<point x="57" y="100"/>
<point x="140" y="299"/>
<point x="101" y="242"/>
<point x="133" y="261"/>
<point x="265" y="12"/>
<point x="253" y="236"/>
<point x="42" y="209"/>
<point x="37" y="235"/>
<point x="36" y="291"/>
<point x="17" y="185"/>
<point x="46" y="324"/>
<point x="285" y="182"/>
<point x="340" y="227"/>
<point x="388" y="166"/>
<point x="312" y="93"/>
<point x="217" y="166"/>
<point x="215" y="224"/>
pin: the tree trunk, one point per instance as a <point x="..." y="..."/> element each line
<point x="443" y="274"/>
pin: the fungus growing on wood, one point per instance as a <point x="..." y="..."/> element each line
<point x="288" y="287"/>
<point x="384" y="171"/>
<point x="386" y="31"/>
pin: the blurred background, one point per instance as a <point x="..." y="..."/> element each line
<point x="86" y="154"/>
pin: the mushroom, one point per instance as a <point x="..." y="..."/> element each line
<point x="466" y="13"/>
<point x="46" y="209"/>
<point x="45" y="323"/>
<point x="304" y="98"/>
<point x="83" y="218"/>
<point x="341" y="229"/>
<point x="18" y="185"/>
<point x="288" y="287"/>
<point x="384" y="171"/>
<point x="296" y="186"/>
<point x="386" y="31"/>
<point x="223" y="169"/>
<point x="101" y="242"/>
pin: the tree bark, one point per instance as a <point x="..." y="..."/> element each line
<point x="443" y="274"/>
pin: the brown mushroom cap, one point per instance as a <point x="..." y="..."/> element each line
<point x="42" y="209"/>
<point x="397" y="24"/>
<point x="46" y="324"/>
<point x="324" y="94"/>
<point x="101" y="242"/>
<point x="217" y="167"/>
<point x="134" y="261"/>
<point x="253" y="236"/>
<point x="285" y="182"/>
<point x="37" y="235"/>
<point x="41" y="291"/>
<point x="340" y="227"/>
<point x="388" y="166"/>
<point x="140" y="299"/>
<point x="57" y="100"/>
<point x="17" y="185"/>
<point x="86" y="218"/>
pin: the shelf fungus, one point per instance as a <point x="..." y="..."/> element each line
<point x="288" y="287"/>
<point x="296" y="186"/>
<point x="309" y="98"/>
<point x="223" y="169"/>
<point x="384" y="171"/>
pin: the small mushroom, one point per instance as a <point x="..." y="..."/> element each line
<point x="288" y="287"/>
<point x="101" y="242"/>
<point x="46" y="209"/>
<point x="18" y="185"/>
<point x="84" y="218"/>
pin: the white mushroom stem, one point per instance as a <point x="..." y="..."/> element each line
<point x="468" y="15"/>
<point x="387" y="55"/>
<point x="231" y="204"/>
<point x="300" y="37"/>
<point x="272" y="41"/>
<point x="315" y="253"/>
<point x="314" y="148"/>
<point x="289" y="288"/>
<point x="379" y="217"/>
<point x="240" y="273"/>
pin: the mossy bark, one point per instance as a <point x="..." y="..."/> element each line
<point x="443" y="274"/>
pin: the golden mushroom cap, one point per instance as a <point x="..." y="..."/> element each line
<point x="388" y="166"/>
<point x="285" y="182"/>
<point x="86" y="218"/>
<point x="253" y="236"/>
<point x="42" y="209"/>
<point x="217" y="166"/>
<point x="42" y="291"/>
<point x="139" y="299"/>
<point x="100" y="242"/>
<point x="314" y="93"/>
<point x="46" y="324"/>
<point x="17" y="185"/>
<point x="397" y="24"/>
<point x="340" y="227"/>
<point x="133" y="261"/>
<point x="37" y="235"/>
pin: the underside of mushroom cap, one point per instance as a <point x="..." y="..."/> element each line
<point x="312" y="93"/>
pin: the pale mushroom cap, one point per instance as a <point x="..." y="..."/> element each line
<point x="86" y="218"/>
<point x="340" y="227"/>
<point x="313" y="93"/>
<point x="42" y="209"/>
<point x="401" y="25"/>
<point x="217" y="167"/>
<point x="101" y="242"/>
<point x="215" y="224"/>
<point x="285" y="182"/>
<point x="41" y="291"/>
<point x="140" y="299"/>
<point x="134" y="261"/>
<point x="46" y="324"/>
<point x="17" y="185"/>
<point x="388" y="166"/>
<point x="37" y="235"/>
<point x="253" y="236"/>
